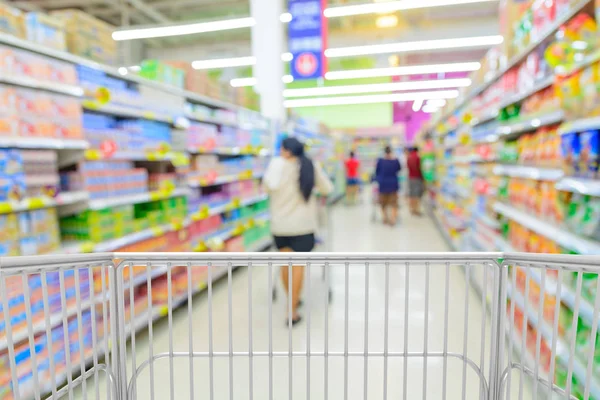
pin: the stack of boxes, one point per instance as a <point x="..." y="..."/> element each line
<point x="110" y="223"/>
<point x="106" y="179"/>
<point x="88" y="37"/>
<point x="165" y="73"/>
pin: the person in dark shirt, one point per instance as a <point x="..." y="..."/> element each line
<point x="416" y="183"/>
<point x="386" y="176"/>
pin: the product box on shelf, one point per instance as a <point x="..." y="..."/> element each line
<point x="158" y="71"/>
<point x="12" y="21"/>
<point x="88" y="36"/>
<point x="46" y="30"/>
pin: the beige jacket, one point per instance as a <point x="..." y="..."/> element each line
<point x="291" y="215"/>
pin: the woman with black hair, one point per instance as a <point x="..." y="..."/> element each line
<point x="291" y="182"/>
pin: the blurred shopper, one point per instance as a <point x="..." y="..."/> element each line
<point x="416" y="183"/>
<point x="292" y="181"/>
<point x="352" y="180"/>
<point x="386" y="176"/>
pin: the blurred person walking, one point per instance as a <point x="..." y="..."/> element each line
<point x="290" y="181"/>
<point x="386" y="176"/>
<point x="416" y="182"/>
<point x="352" y="181"/>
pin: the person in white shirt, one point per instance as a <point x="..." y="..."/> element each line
<point x="292" y="181"/>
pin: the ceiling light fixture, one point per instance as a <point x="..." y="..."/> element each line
<point x="422" y="45"/>
<point x="386" y="21"/>
<point x="378" y="87"/>
<point x="243" y="82"/>
<point x="378" y="98"/>
<point x="393" y="6"/>
<point x="430" y="109"/>
<point x="436" y="103"/>
<point x="247" y="82"/>
<point x="224" y="63"/>
<point x="417" y="104"/>
<point x="405" y="70"/>
<point x="183" y="29"/>
<point x="285" y="17"/>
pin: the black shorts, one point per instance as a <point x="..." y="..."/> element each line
<point x="300" y="243"/>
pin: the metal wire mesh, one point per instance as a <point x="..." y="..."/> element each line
<point x="189" y="325"/>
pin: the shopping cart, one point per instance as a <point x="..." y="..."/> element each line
<point x="160" y="326"/>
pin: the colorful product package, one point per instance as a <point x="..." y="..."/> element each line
<point x="588" y="158"/>
<point x="571" y="150"/>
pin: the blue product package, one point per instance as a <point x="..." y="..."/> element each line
<point x="571" y="149"/>
<point x="588" y="159"/>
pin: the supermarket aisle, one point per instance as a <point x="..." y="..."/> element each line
<point x="353" y="232"/>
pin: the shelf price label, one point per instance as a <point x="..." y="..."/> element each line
<point x="202" y="213"/>
<point x="238" y="230"/>
<point x="157" y="231"/>
<point x="216" y="244"/>
<point x="93" y="154"/>
<point x="236" y="202"/>
<point x="201" y="247"/>
<point x="36" y="203"/>
<point x="245" y="175"/>
<point x="88" y="247"/>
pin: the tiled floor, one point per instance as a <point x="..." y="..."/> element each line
<point x="353" y="232"/>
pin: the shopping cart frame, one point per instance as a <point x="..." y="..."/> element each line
<point x="498" y="263"/>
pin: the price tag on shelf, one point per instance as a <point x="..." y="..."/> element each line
<point x="157" y="231"/>
<point x="177" y="224"/>
<point x="87" y="247"/>
<point x="203" y="182"/>
<point x="201" y="285"/>
<point x="236" y="202"/>
<point x="180" y="160"/>
<point x="163" y="311"/>
<point x="149" y="115"/>
<point x="245" y="175"/>
<point x="247" y="149"/>
<point x="36" y="203"/>
<point x="203" y="212"/>
<point x="238" y="230"/>
<point x="201" y="247"/>
<point x="5" y="208"/>
<point x="93" y="154"/>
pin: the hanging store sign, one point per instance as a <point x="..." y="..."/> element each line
<point x="307" y="39"/>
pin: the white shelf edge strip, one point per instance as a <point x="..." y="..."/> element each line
<point x="541" y="85"/>
<point x="26" y="81"/>
<point x="136" y="199"/>
<point x="558" y="235"/>
<point x="529" y="172"/>
<point x="229" y="205"/>
<point x="579" y="370"/>
<point x="580" y="125"/>
<point x="43" y="143"/>
<point x="193" y="182"/>
<point x="579" y="185"/>
<point x="64" y="198"/>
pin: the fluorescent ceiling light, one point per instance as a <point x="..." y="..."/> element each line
<point x="378" y="87"/>
<point x="246" y="82"/>
<point x="430" y="109"/>
<point x="405" y="70"/>
<point x="183" y="29"/>
<point x="392" y="6"/>
<point x="285" y="17"/>
<point x="423" y="45"/>
<point x="417" y="104"/>
<point x="243" y="82"/>
<point x="436" y="103"/>
<point x="386" y="21"/>
<point x="224" y="63"/>
<point x="377" y="98"/>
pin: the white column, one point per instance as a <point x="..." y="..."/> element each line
<point x="267" y="46"/>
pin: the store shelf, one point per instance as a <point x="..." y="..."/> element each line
<point x="441" y="229"/>
<point x="562" y="349"/>
<point x="205" y="182"/>
<point x="133" y="155"/>
<point x="589" y="187"/>
<point x="126" y="112"/>
<point x="517" y="98"/>
<point x="25" y="81"/>
<point x="564" y="238"/>
<point x="567" y="295"/>
<point x="210" y="120"/>
<point x="36" y="203"/>
<point x="574" y="9"/>
<point x="42" y="143"/>
<point x="530" y="124"/>
<point x="580" y="125"/>
<point x="136" y="198"/>
<point x="206" y="211"/>
<point x="234" y="151"/>
<point x="527" y="172"/>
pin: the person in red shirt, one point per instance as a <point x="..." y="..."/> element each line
<point x="352" y="180"/>
<point x="416" y="183"/>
